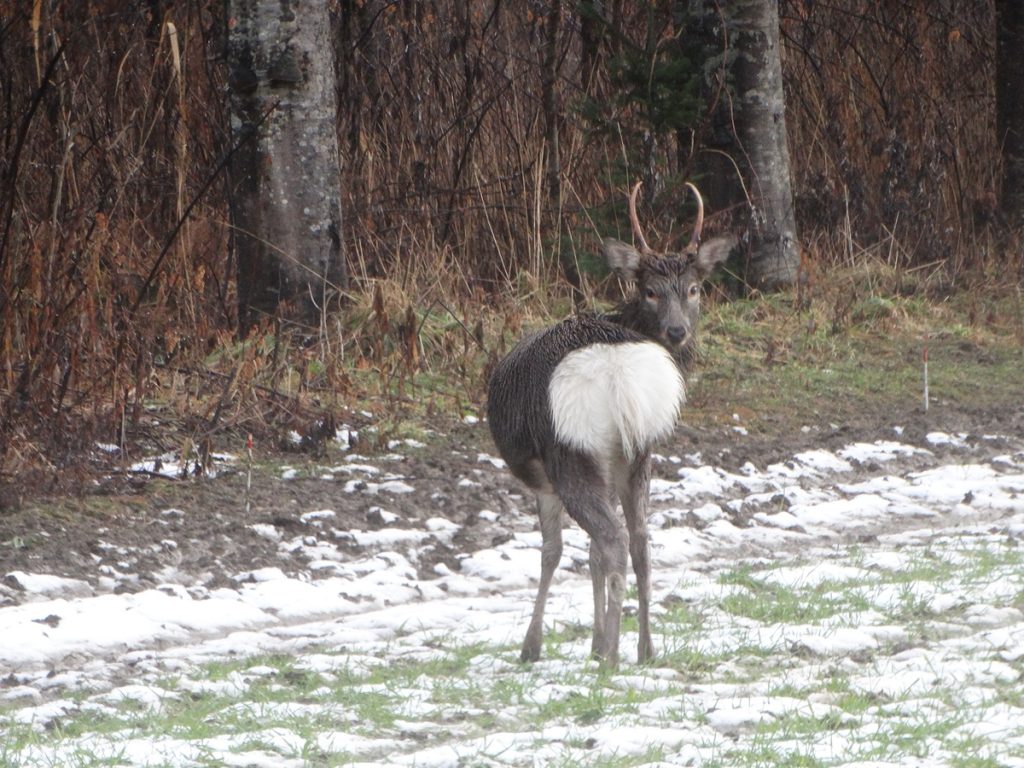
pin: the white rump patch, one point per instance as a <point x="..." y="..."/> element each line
<point x="607" y="397"/>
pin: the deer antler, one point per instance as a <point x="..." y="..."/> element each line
<point x="699" y="224"/>
<point x="637" y="232"/>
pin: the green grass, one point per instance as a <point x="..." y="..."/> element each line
<point x="651" y="756"/>
<point x="764" y="756"/>
<point x="476" y="690"/>
<point x="773" y="604"/>
<point x="781" y="365"/>
<point x="975" y="563"/>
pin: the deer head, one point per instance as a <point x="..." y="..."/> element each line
<point x="666" y="302"/>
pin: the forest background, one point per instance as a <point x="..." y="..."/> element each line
<point x="119" y="321"/>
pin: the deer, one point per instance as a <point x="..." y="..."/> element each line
<point x="576" y="408"/>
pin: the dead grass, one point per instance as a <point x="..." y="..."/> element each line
<point x="408" y="358"/>
<point x="117" y="309"/>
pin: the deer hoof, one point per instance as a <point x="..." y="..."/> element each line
<point x="530" y="654"/>
<point x="645" y="652"/>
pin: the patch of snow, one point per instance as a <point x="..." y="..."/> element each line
<point x="265" y="530"/>
<point x="494" y="461"/>
<point x="47" y="585"/>
<point x="880" y="450"/>
<point x="316" y="515"/>
<point x="943" y="438"/>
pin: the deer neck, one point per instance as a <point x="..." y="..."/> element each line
<point x="634" y="315"/>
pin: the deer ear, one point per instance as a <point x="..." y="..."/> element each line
<point x="622" y="258"/>
<point x="712" y="253"/>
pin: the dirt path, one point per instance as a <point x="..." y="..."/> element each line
<point x="843" y="593"/>
<point x="198" y="531"/>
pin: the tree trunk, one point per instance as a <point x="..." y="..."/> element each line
<point x="286" y="180"/>
<point x="774" y="258"/>
<point x="1009" y="105"/>
<point x="751" y="131"/>
<point x="553" y="125"/>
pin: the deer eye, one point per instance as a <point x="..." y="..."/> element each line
<point x="694" y="290"/>
<point x="650" y="294"/>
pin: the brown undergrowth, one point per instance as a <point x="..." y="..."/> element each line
<point x="117" y="302"/>
<point x="407" y="360"/>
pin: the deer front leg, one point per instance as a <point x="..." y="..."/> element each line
<point x="597" y="581"/>
<point x="634" y="490"/>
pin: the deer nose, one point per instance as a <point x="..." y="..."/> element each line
<point x="676" y="334"/>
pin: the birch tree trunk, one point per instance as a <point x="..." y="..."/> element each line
<point x="1010" y="105"/>
<point x="286" y="180"/>
<point x="752" y="132"/>
<point x="774" y="258"/>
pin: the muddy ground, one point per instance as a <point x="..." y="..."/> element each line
<point x="199" y="530"/>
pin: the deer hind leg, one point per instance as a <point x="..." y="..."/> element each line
<point x="549" y="510"/>
<point x="607" y="571"/>
<point x="587" y="496"/>
<point x="603" y="567"/>
<point x="633" y="484"/>
<point x="613" y="555"/>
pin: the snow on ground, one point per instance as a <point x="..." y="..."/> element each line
<point x="839" y="608"/>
